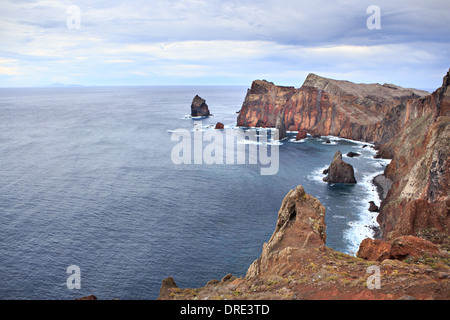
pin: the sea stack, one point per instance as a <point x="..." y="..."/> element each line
<point x="340" y="171"/>
<point x="281" y="126"/>
<point x="302" y="134"/>
<point x="199" y="108"/>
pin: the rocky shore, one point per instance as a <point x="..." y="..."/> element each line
<point x="410" y="127"/>
<point x="383" y="185"/>
<point x="296" y="264"/>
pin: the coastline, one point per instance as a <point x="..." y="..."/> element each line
<point x="383" y="185"/>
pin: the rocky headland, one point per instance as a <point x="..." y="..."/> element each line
<point x="296" y="264"/>
<point x="411" y="250"/>
<point x="408" y="126"/>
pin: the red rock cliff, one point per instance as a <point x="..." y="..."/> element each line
<point x="324" y="106"/>
<point x="410" y="126"/>
<point x="419" y="202"/>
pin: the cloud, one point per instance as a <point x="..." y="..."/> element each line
<point x="8" y="67"/>
<point x="120" y="42"/>
<point x="118" y="61"/>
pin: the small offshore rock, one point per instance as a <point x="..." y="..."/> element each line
<point x="373" y="207"/>
<point x="199" y="108"/>
<point x="353" y="154"/>
<point x="219" y="125"/>
<point x="340" y="171"/>
<point x="301" y="134"/>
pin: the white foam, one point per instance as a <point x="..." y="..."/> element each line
<point x="361" y="228"/>
<point x="270" y="143"/>
<point x="335" y="139"/>
<point x="330" y="143"/>
<point x="197" y="117"/>
<point x="297" y="141"/>
<point x="361" y="143"/>
<point x="317" y="174"/>
<point x="245" y="141"/>
<point x="275" y="143"/>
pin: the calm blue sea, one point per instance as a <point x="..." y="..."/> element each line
<point x="87" y="179"/>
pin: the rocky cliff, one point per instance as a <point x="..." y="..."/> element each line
<point x="418" y="202"/>
<point x="325" y="107"/>
<point x="296" y="264"/>
<point x="300" y="227"/>
<point x="409" y="126"/>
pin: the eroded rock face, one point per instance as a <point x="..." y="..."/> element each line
<point x="300" y="229"/>
<point x="419" y="198"/>
<point x="340" y="171"/>
<point x="324" y="106"/>
<point x="199" y="108"/>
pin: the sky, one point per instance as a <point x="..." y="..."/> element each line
<point x="220" y="42"/>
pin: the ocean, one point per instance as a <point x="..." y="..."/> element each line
<point x="88" y="179"/>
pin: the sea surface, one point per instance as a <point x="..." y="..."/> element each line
<point x="88" y="178"/>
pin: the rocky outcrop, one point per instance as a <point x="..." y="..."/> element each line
<point x="167" y="285"/>
<point x="296" y="264"/>
<point x="409" y="126"/>
<point x="353" y="154"/>
<point x="219" y="126"/>
<point x="199" y="108"/>
<point x="373" y="207"/>
<point x="324" y="106"/>
<point x="340" y="171"/>
<point x="399" y="249"/>
<point x="302" y="134"/>
<point x="300" y="228"/>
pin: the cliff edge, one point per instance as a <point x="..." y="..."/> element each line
<point x="296" y="264"/>
<point x="325" y="107"/>
<point x="409" y="126"/>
